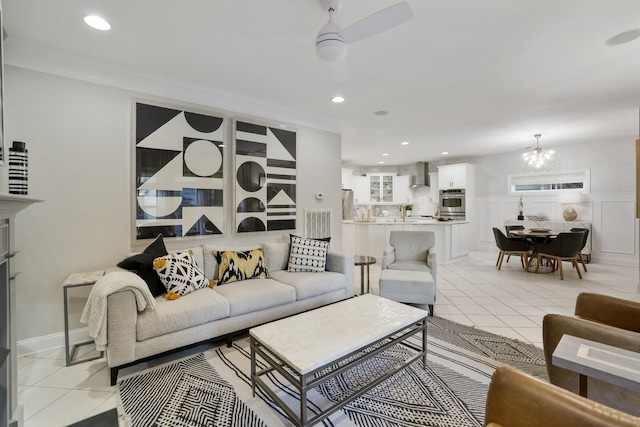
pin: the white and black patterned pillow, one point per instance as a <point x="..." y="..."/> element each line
<point x="180" y="274"/>
<point x="307" y="255"/>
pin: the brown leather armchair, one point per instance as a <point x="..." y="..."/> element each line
<point x="516" y="399"/>
<point x="603" y="319"/>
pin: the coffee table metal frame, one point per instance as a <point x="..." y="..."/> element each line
<point x="306" y="382"/>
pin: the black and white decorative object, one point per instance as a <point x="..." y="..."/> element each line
<point x="266" y="178"/>
<point x="179" y="172"/>
<point x="18" y="168"/>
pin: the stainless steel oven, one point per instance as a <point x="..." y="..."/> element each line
<point x="452" y="204"/>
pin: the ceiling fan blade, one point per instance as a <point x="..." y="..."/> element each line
<point x="378" y="22"/>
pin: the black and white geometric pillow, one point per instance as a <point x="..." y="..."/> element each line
<point x="180" y="274"/>
<point x="307" y="255"/>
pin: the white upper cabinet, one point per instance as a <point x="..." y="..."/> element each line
<point x="347" y="178"/>
<point x="401" y="191"/>
<point x="360" y="190"/>
<point x="454" y="176"/>
<point x="381" y="187"/>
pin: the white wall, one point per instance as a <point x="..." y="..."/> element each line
<point x="79" y="139"/>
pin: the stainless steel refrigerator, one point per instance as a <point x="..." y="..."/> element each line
<point x="347" y="204"/>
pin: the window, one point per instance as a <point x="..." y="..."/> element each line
<point x="551" y="182"/>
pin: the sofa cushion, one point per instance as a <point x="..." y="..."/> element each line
<point x="240" y="265"/>
<point x="180" y="274"/>
<point x="308" y="284"/>
<point x="276" y="255"/>
<point x="307" y="255"/>
<point x="142" y="265"/>
<point x="196" y="308"/>
<point x="409" y="265"/>
<point x="253" y="295"/>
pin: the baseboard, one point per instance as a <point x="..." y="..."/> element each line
<point x="49" y="342"/>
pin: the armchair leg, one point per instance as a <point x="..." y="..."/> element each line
<point x="431" y="310"/>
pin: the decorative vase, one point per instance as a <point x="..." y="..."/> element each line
<point x="18" y="168"/>
<point x="569" y="214"/>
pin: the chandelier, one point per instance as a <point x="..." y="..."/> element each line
<point x="538" y="159"/>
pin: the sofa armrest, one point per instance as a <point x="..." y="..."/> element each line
<point x="342" y="262"/>
<point x="554" y="326"/>
<point x="609" y="310"/>
<point x="389" y="257"/>
<point x="122" y="314"/>
<point x="433" y="265"/>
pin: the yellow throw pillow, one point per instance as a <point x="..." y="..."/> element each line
<point x="240" y="265"/>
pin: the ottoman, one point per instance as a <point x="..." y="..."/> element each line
<point x="415" y="287"/>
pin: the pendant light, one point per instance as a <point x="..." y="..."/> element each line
<point x="538" y="159"/>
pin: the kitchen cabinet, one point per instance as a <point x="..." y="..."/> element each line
<point x="347" y="178"/>
<point x="360" y="190"/>
<point x="401" y="192"/>
<point x="454" y="176"/>
<point x="381" y="187"/>
<point x="459" y="240"/>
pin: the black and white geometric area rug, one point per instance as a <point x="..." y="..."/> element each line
<point x="188" y="393"/>
<point x="450" y="391"/>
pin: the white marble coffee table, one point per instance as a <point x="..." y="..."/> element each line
<point x="301" y="346"/>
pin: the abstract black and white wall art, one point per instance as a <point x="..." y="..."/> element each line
<point x="266" y="178"/>
<point x="179" y="172"/>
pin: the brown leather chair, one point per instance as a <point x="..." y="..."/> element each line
<point x="603" y="319"/>
<point x="516" y="399"/>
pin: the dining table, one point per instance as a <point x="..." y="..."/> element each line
<point x="533" y="235"/>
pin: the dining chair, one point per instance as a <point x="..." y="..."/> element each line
<point x="564" y="247"/>
<point x="584" y="243"/>
<point x="510" y="246"/>
<point x="508" y="229"/>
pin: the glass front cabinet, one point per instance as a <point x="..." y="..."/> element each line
<point x="381" y="188"/>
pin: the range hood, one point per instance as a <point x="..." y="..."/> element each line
<point x="421" y="178"/>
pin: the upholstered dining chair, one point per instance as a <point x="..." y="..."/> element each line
<point x="584" y="243"/>
<point x="516" y="399"/>
<point x="510" y="246"/>
<point x="564" y="247"/>
<point x="604" y="319"/>
<point x="508" y="229"/>
<point x="409" y="268"/>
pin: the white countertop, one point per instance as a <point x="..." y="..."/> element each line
<point x="410" y="220"/>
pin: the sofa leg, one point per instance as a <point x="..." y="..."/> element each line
<point x="229" y="341"/>
<point x="114" y="376"/>
<point x="431" y="310"/>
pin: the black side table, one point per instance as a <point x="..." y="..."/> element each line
<point x="364" y="261"/>
<point x="74" y="281"/>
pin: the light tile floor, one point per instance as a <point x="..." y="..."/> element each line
<point x="509" y="302"/>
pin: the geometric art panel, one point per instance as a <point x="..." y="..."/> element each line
<point x="179" y="172"/>
<point x="265" y="177"/>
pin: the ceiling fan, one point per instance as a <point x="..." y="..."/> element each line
<point x="332" y="41"/>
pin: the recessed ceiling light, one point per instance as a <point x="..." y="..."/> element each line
<point x="404" y="143"/>
<point x="381" y="113"/>
<point x="97" y="23"/>
<point x="382" y="163"/>
<point x="444" y="153"/>
<point x="385" y="154"/>
<point x="337" y="99"/>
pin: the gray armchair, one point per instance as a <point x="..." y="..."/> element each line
<point x="409" y="268"/>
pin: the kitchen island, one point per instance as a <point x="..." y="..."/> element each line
<point x="372" y="238"/>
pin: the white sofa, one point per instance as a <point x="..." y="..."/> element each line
<point x="223" y="311"/>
